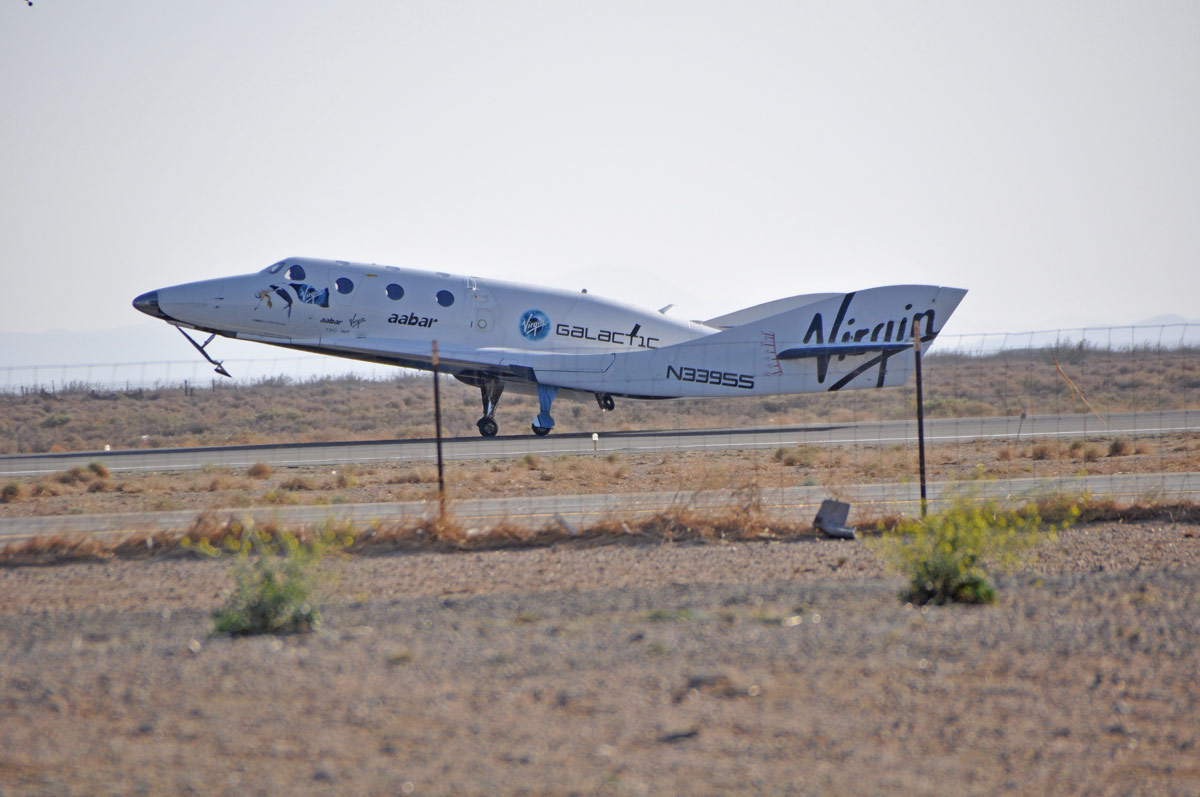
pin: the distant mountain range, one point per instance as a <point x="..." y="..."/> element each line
<point x="151" y="353"/>
<point x="142" y="342"/>
<point x="1163" y="320"/>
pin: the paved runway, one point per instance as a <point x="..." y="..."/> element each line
<point x="423" y="450"/>
<point x="576" y="510"/>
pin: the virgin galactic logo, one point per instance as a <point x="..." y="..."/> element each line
<point x="534" y="325"/>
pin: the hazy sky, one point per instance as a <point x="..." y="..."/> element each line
<point x="1044" y="155"/>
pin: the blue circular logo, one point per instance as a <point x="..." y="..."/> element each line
<point x="534" y="325"/>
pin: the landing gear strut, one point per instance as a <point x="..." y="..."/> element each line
<point x="220" y="369"/>
<point x="491" y="390"/>
<point x="544" y="423"/>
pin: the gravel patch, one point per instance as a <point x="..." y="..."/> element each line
<point x="748" y="667"/>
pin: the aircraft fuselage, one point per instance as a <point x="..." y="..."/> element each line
<point x="312" y="302"/>
<point x="493" y="334"/>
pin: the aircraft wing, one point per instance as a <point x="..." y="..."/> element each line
<point x="510" y="365"/>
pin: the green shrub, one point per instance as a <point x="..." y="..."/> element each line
<point x="946" y="555"/>
<point x="275" y="588"/>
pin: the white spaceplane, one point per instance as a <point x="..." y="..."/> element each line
<point x="547" y="342"/>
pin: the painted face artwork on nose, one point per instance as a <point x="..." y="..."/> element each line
<point x="304" y="292"/>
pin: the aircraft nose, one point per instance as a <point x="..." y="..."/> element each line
<point x="148" y="304"/>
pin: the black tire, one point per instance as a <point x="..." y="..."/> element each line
<point x="487" y="427"/>
<point x="540" y="431"/>
<point x="605" y="401"/>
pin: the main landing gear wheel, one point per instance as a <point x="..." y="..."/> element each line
<point x="605" y="401"/>
<point x="490" y="390"/>
<point x="543" y="423"/>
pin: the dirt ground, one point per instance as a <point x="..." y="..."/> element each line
<point x="718" y="668"/>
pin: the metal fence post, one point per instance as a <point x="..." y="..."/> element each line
<point x="437" y="422"/>
<point x="920" y="410"/>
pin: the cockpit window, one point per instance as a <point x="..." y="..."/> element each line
<point x="296" y="272"/>
<point x="274" y="269"/>
<point x="343" y="285"/>
<point x="445" y="298"/>
<point x="395" y="292"/>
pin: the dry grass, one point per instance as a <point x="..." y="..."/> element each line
<point x="437" y="534"/>
<point x="1009" y="383"/>
<point x="740" y="522"/>
<point x="11" y="493"/>
<point x="682" y="473"/>
<point x="295" y="483"/>
<point x="259" y="470"/>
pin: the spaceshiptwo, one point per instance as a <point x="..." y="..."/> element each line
<point x="495" y="335"/>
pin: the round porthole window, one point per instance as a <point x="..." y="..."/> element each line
<point x="296" y="273"/>
<point x="343" y="285"/>
<point x="445" y="298"/>
<point x="395" y="292"/>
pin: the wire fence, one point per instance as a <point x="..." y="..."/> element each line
<point x="165" y="374"/>
<point x="195" y="372"/>
<point x="1017" y="416"/>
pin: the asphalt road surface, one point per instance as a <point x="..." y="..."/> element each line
<point x="571" y="512"/>
<point x="503" y="447"/>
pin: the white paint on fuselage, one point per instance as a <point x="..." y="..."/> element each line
<point x="493" y="334"/>
<point x="483" y="313"/>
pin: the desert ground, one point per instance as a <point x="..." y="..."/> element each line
<point x="777" y="667"/>
<point x="605" y="664"/>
